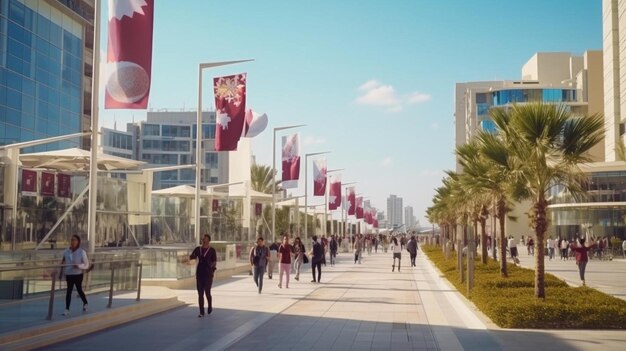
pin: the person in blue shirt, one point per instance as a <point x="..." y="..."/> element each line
<point x="74" y="263"/>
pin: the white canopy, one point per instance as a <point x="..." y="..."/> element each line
<point x="187" y="191"/>
<point x="75" y="159"/>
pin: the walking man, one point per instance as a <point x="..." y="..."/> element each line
<point x="411" y="247"/>
<point x="207" y="262"/>
<point x="259" y="257"/>
<point x="550" y="245"/>
<point x="333" y="250"/>
<point x="513" y="249"/>
<point x="284" y="256"/>
<point x="317" y="255"/>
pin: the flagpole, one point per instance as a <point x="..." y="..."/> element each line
<point x="277" y="129"/>
<point x="93" y="161"/>
<point x="199" y="143"/>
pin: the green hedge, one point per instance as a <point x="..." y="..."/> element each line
<point x="510" y="302"/>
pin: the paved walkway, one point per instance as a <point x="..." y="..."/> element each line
<point x="606" y="276"/>
<point x="357" y="307"/>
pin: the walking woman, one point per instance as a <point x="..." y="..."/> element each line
<point x="397" y="253"/>
<point x="74" y="263"/>
<point x="298" y="249"/>
<point x="284" y="257"/>
<point x="207" y="264"/>
<point x="259" y="257"/>
<point x="581" y="257"/>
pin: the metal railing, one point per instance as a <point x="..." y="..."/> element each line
<point x="54" y="273"/>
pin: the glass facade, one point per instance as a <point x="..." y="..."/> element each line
<point x="41" y="74"/>
<point x="594" y="207"/>
<point x="509" y="96"/>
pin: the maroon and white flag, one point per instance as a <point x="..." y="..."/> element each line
<point x="359" y="207"/>
<point x="215" y="206"/>
<point x="255" y="123"/>
<point x="129" y="58"/>
<point x="64" y="185"/>
<point x="319" y="177"/>
<point x="351" y="201"/>
<point x="230" y="110"/>
<point x="375" y="224"/>
<point x="334" y="192"/>
<point x="291" y="161"/>
<point x="29" y="182"/>
<point x="47" y="184"/>
<point x="258" y="209"/>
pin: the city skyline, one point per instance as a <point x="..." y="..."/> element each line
<point x="344" y="95"/>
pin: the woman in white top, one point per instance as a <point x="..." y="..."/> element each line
<point x="74" y="262"/>
<point x="396" y="248"/>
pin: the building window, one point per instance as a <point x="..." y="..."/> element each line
<point x="176" y="131"/>
<point x="151" y="130"/>
<point x="210" y="160"/>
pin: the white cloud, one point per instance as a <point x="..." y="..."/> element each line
<point x="386" y="162"/>
<point x="375" y="93"/>
<point x="311" y="140"/>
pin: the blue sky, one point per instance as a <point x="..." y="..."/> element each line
<point x="373" y="80"/>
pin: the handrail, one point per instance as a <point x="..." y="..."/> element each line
<point x="53" y="278"/>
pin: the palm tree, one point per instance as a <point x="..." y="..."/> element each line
<point x="546" y="144"/>
<point x="262" y="179"/>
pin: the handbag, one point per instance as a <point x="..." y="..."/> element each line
<point x="305" y="259"/>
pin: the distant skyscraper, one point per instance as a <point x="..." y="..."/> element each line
<point x="394" y="211"/>
<point x="409" y="217"/>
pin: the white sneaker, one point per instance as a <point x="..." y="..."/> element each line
<point x="85" y="307"/>
<point x="66" y="313"/>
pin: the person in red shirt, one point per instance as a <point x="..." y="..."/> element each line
<point x="581" y="257"/>
<point x="284" y="257"/>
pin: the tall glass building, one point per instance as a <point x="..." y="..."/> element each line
<point x="45" y="70"/>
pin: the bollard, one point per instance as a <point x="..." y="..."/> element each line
<point x="51" y="303"/>
<point x="111" y="287"/>
<point x="459" y="256"/>
<point x="470" y="267"/>
<point x="139" y="282"/>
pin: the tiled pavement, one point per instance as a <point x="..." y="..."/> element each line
<point x="357" y="307"/>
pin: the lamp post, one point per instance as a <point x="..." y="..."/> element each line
<point x="326" y="199"/>
<point x="306" y="190"/>
<point x="277" y="129"/>
<point x="199" y="146"/>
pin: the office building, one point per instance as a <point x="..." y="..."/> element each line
<point x="409" y="218"/>
<point x="394" y="211"/>
<point x="167" y="138"/>
<point x="46" y="50"/>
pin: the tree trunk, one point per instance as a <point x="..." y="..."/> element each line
<point x="501" y="218"/>
<point x="541" y="225"/>
<point x="483" y="240"/>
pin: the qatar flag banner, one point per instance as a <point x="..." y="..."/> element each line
<point x="291" y="161"/>
<point x="230" y="111"/>
<point x="47" y="184"/>
<point x="351" y="201"/>
<point x="319" y="177"/>
<point x="359" y="207"/>
<point x="334" y="192"/>
<point x="375" y="224"/>
<point x="64" y="187"/>
<point x="29" y="182"/>
<point x="129" y="57"/>
<point x="255" y="123"/>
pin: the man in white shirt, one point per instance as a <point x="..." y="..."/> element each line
<point x="513" y="249"/>
<point x="550" y="244"/>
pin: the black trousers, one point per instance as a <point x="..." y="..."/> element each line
<point x="317" y="265"/>
<point x="413" y="255"/>
<point x="203" y="284"/>
<point x="74" y="280"/>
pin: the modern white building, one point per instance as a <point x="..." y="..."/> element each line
<point x="409" y="218"/>
<point x="394" y="211"/>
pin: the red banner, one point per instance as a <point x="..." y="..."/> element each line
<point x="334" y="193"/>
<point x="47" y="184"/>
<point x="351" y="201"/>
<point x="215" y="206"/>
<point x="29" y="182"/>
<point x="258" y="210"/>
<point x="319" y="177"/>
<point x="129" y="58"/>
<point x="291" y="161"/>
<point x="359" y="207"/>
<point x="230" y="110"/>
<point x="64" y="185"/>
<point x="375" y="224"/>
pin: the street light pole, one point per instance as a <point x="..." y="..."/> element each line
<point x="199" y="140"/>
<point x="306" y="190"/>
<point x="277" y="129"/>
